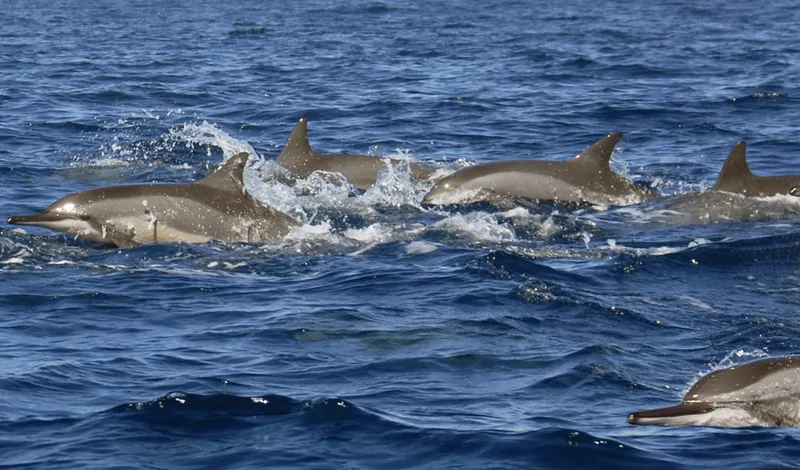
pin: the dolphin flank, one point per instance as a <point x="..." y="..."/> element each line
<point x="360" y="170"/>
<point x="216" y="207"/>
<point x="765" y="392"/>
<point x="585" y="178"/>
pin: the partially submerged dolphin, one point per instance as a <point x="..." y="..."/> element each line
<point x="216" y="207"/>
<point x="360" y="170"/>
<point x="737" y="195"/>
<point x="585" y="178"/>
<point x="765" y="392"/>
<point x="736" y="177"/>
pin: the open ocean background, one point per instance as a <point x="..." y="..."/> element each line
<point x="382" y="334"/>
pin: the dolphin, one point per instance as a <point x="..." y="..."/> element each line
<point x="360" y="171"/>
<point x="585" y="178"/>
<point x="216" y="207"/>
<point x="736" y="177"/>
<point x="765" y="392"/>
<point x="737" y="195"/>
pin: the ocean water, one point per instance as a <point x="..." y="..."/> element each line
<point x="383" y="334"/>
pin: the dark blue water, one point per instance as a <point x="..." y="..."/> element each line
<point x="382" y="334"/>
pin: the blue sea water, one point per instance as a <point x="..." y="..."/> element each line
<point x="383" y="334"/>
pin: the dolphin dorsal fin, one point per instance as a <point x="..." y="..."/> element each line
<point x="735" y="168"/>
<point x="599" y="154"/>
<point x="297" y="146"/>
<point x="229" y="176"/>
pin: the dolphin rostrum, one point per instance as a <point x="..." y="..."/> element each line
<point x="736" y="177"/>
<point x="585" y="178"/>
<point x="216" y="207"/>
<point x="360" y="171"/>
<point x="765" y="392"/>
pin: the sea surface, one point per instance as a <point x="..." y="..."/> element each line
<point x="384" y="334"/>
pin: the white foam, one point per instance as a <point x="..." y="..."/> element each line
<point x="375" y="233"/>
<point x="480" y="226"/>
<point x="421" y="248"/>
<point x="308" y="232"/>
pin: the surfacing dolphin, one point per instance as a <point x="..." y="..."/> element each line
<point x="765" y="392"/>
<point x="736" y="177"/>
<point x="585" y="178"/>
<point x="216" y="207"/>
<point x="360" y="170"/>
<point x="737" y="195"/>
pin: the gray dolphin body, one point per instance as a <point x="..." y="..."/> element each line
<point x="737" y="195"/>
<point x="585" y="178"/>
<point x="736" y="177"/>
<point x="765" y="392"/>
<point x="216" y="207"/>
<point x="360" y="170"/>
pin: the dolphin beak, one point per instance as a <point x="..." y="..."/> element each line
<point x="662" y="415"/>
<point x="34" y="219"/>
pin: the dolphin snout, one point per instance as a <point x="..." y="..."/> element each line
<point x="23" y="219"/>
<point x="36" y="219"/>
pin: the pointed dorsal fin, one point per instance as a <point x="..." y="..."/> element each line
<point x="296" y="145"/>
<point x="735" y="168"/>
<point x="599" y="154"/>
<point x="229" y="176"/>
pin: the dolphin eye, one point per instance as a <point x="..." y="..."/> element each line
<point x="794" y="191"/>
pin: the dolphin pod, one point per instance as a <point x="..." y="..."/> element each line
<point x="765" y="392"/>
<point x="219" y="208"/>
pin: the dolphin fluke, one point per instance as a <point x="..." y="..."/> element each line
<point x="599" y="154"/>
<point x="735" y="170"/>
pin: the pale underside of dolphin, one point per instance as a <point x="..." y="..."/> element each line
<point x="360" y="171"/>
<point x="216" y="207"/>
<point x="585" y="178"/>
<point x="765" y="392"/>
<point x="736" y="177"/>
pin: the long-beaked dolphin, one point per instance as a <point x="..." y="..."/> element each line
<point x="360" y="171"/>
<point x="217" y="207"/>
<point x="737" y="195"/>
<point x="736" y="177"/>
<point x="585" y="178"/>
<point x="765" y="392"/>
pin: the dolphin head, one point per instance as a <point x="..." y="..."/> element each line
<point x="759" y="393"/>
<point x="69" y="215"/>
<point x="448" y="190"/>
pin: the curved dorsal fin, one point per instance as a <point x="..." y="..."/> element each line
<point x="296" y="145"/>
<point x="599" y="154"/>
<point x="229" y="176"/>
<point x="735" y="168"/>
